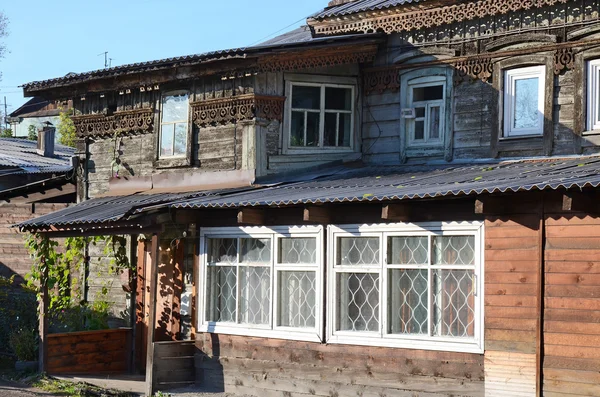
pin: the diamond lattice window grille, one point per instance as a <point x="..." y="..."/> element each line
<point x="453" y="305"/>
<point x="408" y="250"/>
<point x="358" y="251"/>
<point x="408" y="306"/>
<point x="358" y="308"/>
<point x="297" y="298"/>
<point x="297" y="250"/>
<point x="454" y="250"/>
<point x="255" y="294"/>
<point x="221" y="294"/>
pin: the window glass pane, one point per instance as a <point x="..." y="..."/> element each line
<point x="453" y="303"/>
<point x="408" y="250"/>
<point x="297" y="299"/>
<point x="174" y="108"/>
<point x="338" y="98"/>
<point x="304" y="97"/>
<point x="166" y="140"/>
<point x="313" y="122"/>
<point x="434" y="122"/>
<point x="345" y="130"/>
<point x="222" y="250"/>
<point x="180" y="139"/>
<point x="419" y="112"/>
<point x="255" y="294"/>
<point x="330" y="129"/>
<point x="221" y="293"/>
<point x="453" y="250"/>
<point x="297" y="129"/>
<point x="419" y="130"/>
<point x="297" y="250"/>
<point x="255" y="250"/>
<point x="526" y="103"/>
<point x="596" y="91"/>
<point x="431" y="93"/>
<point x="358" y="302"/>
<point x="358" y="251"/>
<point x="408" y="301"/>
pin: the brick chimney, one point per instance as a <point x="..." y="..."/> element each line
<point x="333" y="3"/>
<point x="45" y="143"/>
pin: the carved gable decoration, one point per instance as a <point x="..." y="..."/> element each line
<point x="138" y="121"/>
<point x="406" y="19"/>
<point x="564" y="59"/>
<point x="237" y="108"/>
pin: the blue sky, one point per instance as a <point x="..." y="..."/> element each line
<point x="50" y="39"/>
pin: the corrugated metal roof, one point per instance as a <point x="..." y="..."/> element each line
<point x="416" y="182"/>
<point x="22" y="154"/>
<point x="360" y="6"/>
<point x="338" y="185"/>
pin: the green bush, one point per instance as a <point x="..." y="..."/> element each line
<point x="24" y="343"/>
<point x="18" y="311"/>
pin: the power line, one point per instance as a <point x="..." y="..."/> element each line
<point x="280" y="30"/>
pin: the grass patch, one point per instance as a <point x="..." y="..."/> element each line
<point x="75" y="389"/>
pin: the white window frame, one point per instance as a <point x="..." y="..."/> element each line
<point x="272" y="329"/>
<point x="593" y="95"/>
<point x="383" y="338"/>
<point x="173" y="123"/>
<point x="314" y="82"/>
<point x="422" y="82"/>
<point x="510" y="78"/>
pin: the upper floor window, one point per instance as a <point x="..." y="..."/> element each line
<point x="174" y="125"/>
<point x="426" y="110"/>
<point x="524" y="101"/>
<point x="593" y="95"/>
<point x="321" y="116"/>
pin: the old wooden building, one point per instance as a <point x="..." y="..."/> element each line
<point x="399" y="198"/>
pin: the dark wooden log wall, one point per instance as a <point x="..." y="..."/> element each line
<point x="272" y="367"/>
<point x="89" y="352"/>
<point x="14" y="257"/>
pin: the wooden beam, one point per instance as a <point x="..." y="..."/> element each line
<point x="314" y="214"/>
<point x="491" y="205"/>
<point x="579" y="202"/>
<point x="44" y="301"/>
<point x="154" y="257"/>
<point x="395" y="212"/>
<point x="251" y="216"/>
<point x="28" y="198"/>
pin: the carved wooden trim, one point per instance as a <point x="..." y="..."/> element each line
<point x="324" y="58"/>
<point x="237" y="108"/>
<point x="480" y="68"/>
<point x="400" y="19"/>
<point x="382" y="80"/>
<point x="130" y="121"/>
<point x="564" y="59"/>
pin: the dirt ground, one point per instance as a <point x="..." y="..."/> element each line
<point x="9" y="389"/>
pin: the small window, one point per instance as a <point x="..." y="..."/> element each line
<point x="524" y="101"/>
<point x="593" y="95"/>
<point x="174" y="125"/>
<point x="425" y="120"/>
<point x="321" y="116"/>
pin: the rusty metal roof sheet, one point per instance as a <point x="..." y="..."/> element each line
<point x="343" y="184"/>
<point x="360" y="6"/>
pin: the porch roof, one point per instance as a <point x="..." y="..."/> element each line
<point x="339" y="184"/>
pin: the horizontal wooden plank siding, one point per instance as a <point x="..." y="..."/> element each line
<point x="512" y="262"/>
<point x="90" y="352"/>
<point x="572" y="307"/>
<point x="173" y="364"/>
<point x="270" y="367"/>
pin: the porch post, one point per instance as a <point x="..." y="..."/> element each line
<point x="154" y="255"/>
<point x="43" y="322"/>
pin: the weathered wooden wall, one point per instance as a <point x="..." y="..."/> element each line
<point x="269" y="367"/>
<point x="572" y="308"/>
<point x="89" y="352"/>
<point x="14" y="257"/>
<point x="173" y="365"/>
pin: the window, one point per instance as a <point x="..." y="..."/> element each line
<point x="524" y="101"/>
<point x="426" y="113"/>
<point x="593" y="95"/>
<point x="263" y="279"/>
<point x="174" y="125"/>
<point x="321" y="116"/>
<point x="406" y="286"/>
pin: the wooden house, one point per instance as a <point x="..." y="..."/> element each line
<point x="398" y="199"/>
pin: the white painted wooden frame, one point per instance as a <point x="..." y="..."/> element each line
<point x="510" y="78"/>
<point x="593" y="95"/>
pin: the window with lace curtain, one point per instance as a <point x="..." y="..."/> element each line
<point x="260" y="280"/>
<point x="406" y="286"/>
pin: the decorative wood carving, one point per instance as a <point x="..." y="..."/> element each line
<point x="564" y="58"/>
<point x="404" y="19"/>
<point x="317" y="59"/>
<point x="131" y="121"/>
<point x="480" y="68"/>
<point x="382" y="80"/>
<point x="237" y="108"/>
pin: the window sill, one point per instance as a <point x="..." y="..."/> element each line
<point x="171" y="162"/>
<point x="525" y="142"/>
<point x="591" y="132"/>
<point x="287" y="334"/>
<point x="398" y="342"/>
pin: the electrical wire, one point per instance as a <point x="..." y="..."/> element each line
<point x="280" y="30"/>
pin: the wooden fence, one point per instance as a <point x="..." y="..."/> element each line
<point x="173" y="365"/>
<point x="90" y="352"/>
